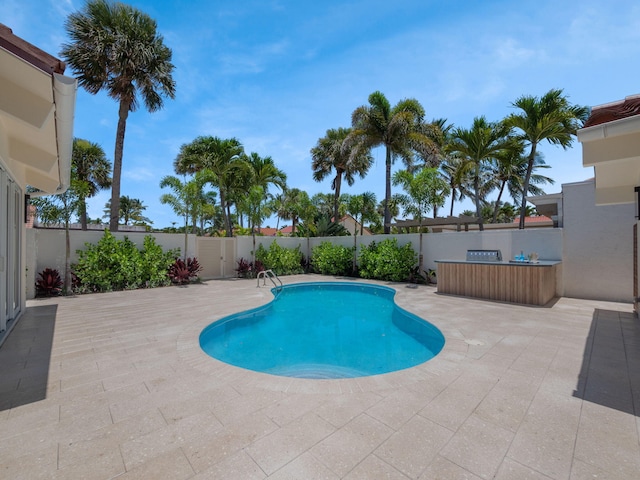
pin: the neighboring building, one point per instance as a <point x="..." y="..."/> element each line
<point x="37" y="104"/>
<point x="351" y="224"/>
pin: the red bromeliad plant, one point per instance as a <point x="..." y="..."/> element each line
<point x="182" y="272"/>
<point x="247" y="269"/>
<point x="49" y="284"/>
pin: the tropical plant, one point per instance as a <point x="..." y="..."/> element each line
<point x="549" y="118"/>
<point x="247" y="269"/>
<point x="226" y="161"/>
<point x="182" y="272"/>
<point x="49" y="284"/>
<point x="321" y="226"/>
<point x="479" y="146"/>
<point x="283" y="261"/>
<point x="114" y="264"/>
<point x="60" y="209"/>
<point x="400" y="129"/>
<point x="335" y="153"/>
<point x="116" y="47"/>
<point x="387" y="261"/>
<point x="190" y="201"/>
<point x="508" y="172"/>
<point x="359" y="207"/>
<point x="296" y="205"/>
<point x="424" y="190"/>
<point x="130" y="211"/>
<point x="91" y="167"/>
<point x="330" y="259"/>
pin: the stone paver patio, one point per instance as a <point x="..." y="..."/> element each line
<point x="115" y="386"/>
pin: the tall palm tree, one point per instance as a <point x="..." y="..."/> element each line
<point x="263" y="173"/>
<point x="224" y="158"/>
<point x="130" y="211"/>
<point x="400" y="129"/>
<point x="424" y="190"/>
<point x="515" y="186"/>
<point x="455" y="170"/>
<point x="324" y="204"/>
<point x="549" y="118"/>
<point x="334" y="152"/>
<point x="189" y="198"/>
<point x="91" y="166"/>
<point x="479" y="146"/>
<point x="115" y="47"/>
<point x="296" y="206"/>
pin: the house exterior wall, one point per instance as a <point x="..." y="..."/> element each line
<point x="598" y="246"/>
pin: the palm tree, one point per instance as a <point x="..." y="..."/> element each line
<point x="509" y="170"/>
<point x="334" y="152"/>
<point x="455" y="170"/>
<point x="424" y="190"/>
<point x="551" y="118"/>
<point x="324" y="204"/>
<point x="91" y="167"/>
<point x="189" y="198"/>
<point x="515" y="185"/>
<point x="130" y="210"/>
<point x="296" y="205"/>
<point x="115" y="47"/>
<point x="263" y="173"/>
<point x="401" y="130"/>
<point x="224" y="158"/>
<point x="360" y="207"/>
<point x="479" y="146"/>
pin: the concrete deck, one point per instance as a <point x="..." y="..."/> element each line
<point x="115" y="386"/>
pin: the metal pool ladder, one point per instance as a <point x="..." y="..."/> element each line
<point x="264" y="274"/>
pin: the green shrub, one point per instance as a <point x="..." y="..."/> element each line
<point x="330" y="259"/>
<point x="113" y="264"/>
<point x="283" y="261"/>
<point x="387" y="261"/>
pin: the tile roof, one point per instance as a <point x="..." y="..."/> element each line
<point x="610" y="112"/>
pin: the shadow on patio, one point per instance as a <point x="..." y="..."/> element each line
<point x="25" y="358"/>
<point x="610" y="373"/>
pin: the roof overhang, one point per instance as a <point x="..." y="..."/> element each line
<point x="613" y="149"/>
<point x="37" y="107"/>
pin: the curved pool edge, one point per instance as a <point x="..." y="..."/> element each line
<point x="391" y="293"/>
<point x="435" y="370"/>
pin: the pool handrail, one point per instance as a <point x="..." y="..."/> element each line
<point x="270" y="274"/>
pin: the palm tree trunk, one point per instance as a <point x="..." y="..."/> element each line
<point x="525" y="186"/>
<point x="336" y="197"/>
<point x="123" y="113"/>
<point x="387" y="193"/>
<point x="83" y="213"/>
<point x="420" y="255"/>
<point x="497" y="207"/>
<point x="476" y="188"/>
<point x="453" y="197"/>
<point x="355" y="249"/>
<point x="224" y="213"/>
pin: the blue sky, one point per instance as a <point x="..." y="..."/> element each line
<point x="278" y="74"/>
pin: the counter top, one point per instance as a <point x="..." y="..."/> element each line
<point x="539" y="263"/>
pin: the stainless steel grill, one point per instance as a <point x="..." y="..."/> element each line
<point x="484" y="256"/>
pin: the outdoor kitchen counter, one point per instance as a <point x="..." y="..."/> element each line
<point x="515" y="282"/>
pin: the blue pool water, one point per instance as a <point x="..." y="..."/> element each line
<point x="324" y="330"/>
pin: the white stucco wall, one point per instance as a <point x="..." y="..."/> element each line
<point x="46" y="247"/>
<point x="598" y="246"/>
<point x="595" y="246"/>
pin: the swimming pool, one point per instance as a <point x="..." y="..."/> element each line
<point x="324" y="330"/>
